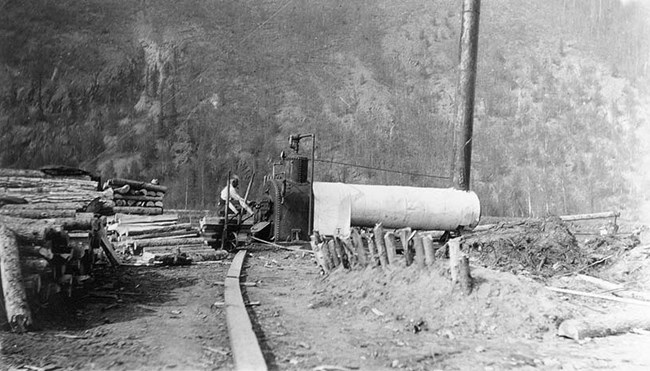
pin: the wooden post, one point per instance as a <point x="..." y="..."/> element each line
<point x="345" y="259"/>
<point x="404" y="234"/>
<point x="372" y="251"/>
<point x="15" y="299"/>
<point x="429" y="251"/>
<point x="333" y="253"/>
<point x="419" y="251"/>
<point x="349" y="251"/>
<point x="391" y="254"/>
<point x="381" y="248"/>
<point x="459" y="267"/>
<point x="318" y="253"/>
<point x="465" y="94"/>
<point x="358" y="245"/>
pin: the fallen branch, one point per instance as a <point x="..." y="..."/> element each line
<point x="600" y="296"/>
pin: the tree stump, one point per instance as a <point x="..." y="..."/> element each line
<point x="459" y="267"/>
<point x="419" y="251"/>
<point x="391" y="248"/>
<point x="429" y="250"/>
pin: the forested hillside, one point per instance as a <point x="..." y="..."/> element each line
<point x="186" y="90"/>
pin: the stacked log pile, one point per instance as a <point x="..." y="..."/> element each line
<point x="36" y="194"/>
<point x="389" y="250"/>
<point x="51" y="256"/>
<point x="211" y="230"/>
<point x="135" y="197"/>
<point x="160" y="236"/>
<point x="52" y="226"/>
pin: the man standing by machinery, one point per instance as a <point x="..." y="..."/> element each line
<point x="230" y="193"/>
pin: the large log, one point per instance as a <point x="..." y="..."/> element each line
<point x="118" y="182"/>
<point x="47" y="183"/>
<point x="168" y="242"/>
<point x="22" y="173"/>
<point x="130" y="230"/>
<point x="124" y="243"/>
<point x="38" y="214"/>
<point x="175" y="234"/>
<point x="124" y="219"/>
<point x="200" y="248"/>
<point x="53" y="196"/>
<point x="34" y="230"/>
<point x="30" y="230"/>
<point x="138" y="210"/>
<point x="46" y="206"/>
<point x="118" y="196"/>
<point x="17" y="309"/>
<point x="605" y="325"/>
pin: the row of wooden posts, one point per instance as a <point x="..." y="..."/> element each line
<point x="379" y="248"/>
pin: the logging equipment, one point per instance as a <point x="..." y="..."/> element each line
<point x="292" y="206"/>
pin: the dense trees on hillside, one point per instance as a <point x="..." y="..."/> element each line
<point x="185" y="91"/>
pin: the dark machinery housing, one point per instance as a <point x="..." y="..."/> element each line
<point x="282" y="214"/>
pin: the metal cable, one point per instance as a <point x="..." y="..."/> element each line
<point x="384" y="170"/>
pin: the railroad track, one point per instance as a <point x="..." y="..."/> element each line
<point x="245" y="348"/>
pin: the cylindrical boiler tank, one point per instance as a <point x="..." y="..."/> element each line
<point x="337" y="206"/>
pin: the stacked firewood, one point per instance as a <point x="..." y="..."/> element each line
<point x="135" y="197"/>
<point x="389" y="250"/>
<point x="160" y="236"/>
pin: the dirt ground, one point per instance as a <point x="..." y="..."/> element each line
<point x="159" y="318"/>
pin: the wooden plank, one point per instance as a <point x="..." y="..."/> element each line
<point x="246" y="350"/>
<point x="110" y="252"/>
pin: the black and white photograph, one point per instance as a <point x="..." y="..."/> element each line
<point x="324" y="185"/>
